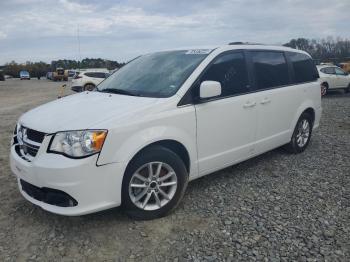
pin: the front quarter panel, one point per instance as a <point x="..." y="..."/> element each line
<point x="124" y="141"/>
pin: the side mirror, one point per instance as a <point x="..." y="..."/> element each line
<point x="209" y="89"/>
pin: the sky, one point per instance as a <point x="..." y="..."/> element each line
<point x="45" y="30"/>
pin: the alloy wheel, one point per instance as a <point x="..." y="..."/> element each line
<point x="89" y="87"/>
<point x="303" y="133"/>
<point x="153" y="185"/>
<point x="323" y="90"/>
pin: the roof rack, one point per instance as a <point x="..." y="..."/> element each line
<point x="244" y="43"/>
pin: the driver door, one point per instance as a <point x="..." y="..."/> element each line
<point x="226" y="124"/>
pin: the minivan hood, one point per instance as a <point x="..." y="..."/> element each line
<point x="83" y="111"/>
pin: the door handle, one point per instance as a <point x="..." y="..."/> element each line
<point x="265" y="101"/>
<point x="249" y="104"/>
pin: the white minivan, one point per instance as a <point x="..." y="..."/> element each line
<point x="160" y="121"/>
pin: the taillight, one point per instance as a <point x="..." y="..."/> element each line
<point x="77" y="77"/>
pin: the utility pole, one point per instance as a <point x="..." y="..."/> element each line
<point x="78" y="38"/>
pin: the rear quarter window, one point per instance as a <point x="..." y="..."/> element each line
<point x="100" y="75"/>
<point x="303" y="67"/>
<point x="96" y="74"/>
<point x="90" y="74"/>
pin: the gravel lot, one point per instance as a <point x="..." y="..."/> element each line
<point x="276" y="207"/>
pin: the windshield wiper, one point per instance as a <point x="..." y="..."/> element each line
<point x="118" y="91"/>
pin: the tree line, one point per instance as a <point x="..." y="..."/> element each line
<point x="36" y="69"/>
<point x="324" y="50"/>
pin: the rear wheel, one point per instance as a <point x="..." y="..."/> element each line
<point x="154" y="183"/>
<point x="347" y="90"/>
<point x="89" y="87"/>
<point x="301" y="135"/>
<point x="324" y="88"/>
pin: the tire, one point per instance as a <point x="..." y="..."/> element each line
<point x="171" y="166"/>
<point x="89" y="87"/>
<point x="324" y="88"/>
<point x="347" y="90"/>
<point x="296" y="146"/>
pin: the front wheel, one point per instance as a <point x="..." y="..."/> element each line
<point x="301" y="135"/>
<point x="154" y="183"/>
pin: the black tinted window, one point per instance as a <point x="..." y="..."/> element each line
<point x="271" y="69"/>
<point x="90" y="74"/>
<point x="96" y="74"/>
<point x="100" y="75"/>
<point x="230" y="70"/>
<point x="328" y="70"/>
<point x="304" y="68"/>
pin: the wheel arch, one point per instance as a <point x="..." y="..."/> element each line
<point x="88" y="83"/>
<point x="311" y="112"/>
<point x="307" y="107"/>
<point x="171" y="144"/>
<point x="325" y="82"/>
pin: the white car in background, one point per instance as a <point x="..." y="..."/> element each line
<point x="333" y="77"/>
<point x="88" y="80"/>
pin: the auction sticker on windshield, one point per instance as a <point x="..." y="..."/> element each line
<point x="198" y="52"/>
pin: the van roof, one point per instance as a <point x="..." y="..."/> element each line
<point x="240" y="45"/>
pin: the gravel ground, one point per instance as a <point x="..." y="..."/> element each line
<point x="276" y="207"/>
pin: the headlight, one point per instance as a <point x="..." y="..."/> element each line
<point x="78" y="144"/>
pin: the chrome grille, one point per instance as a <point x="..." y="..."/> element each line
<point x="27" y="142"/>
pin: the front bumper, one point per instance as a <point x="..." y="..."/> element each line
<point x="94" y="187"/>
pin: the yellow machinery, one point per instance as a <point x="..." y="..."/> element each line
<point x="60" y="75"/>
<point x="345" y="66"/>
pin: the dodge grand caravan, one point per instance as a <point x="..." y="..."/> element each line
<point x="162" y="120"/>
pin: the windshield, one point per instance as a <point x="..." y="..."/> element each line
<point x="154" y="75"/>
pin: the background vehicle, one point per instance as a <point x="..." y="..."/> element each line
<point x="333" y="77"/>
<point x="24" y="75"/>
<point x="2" y="77"/>
<point x="71" y="73"/>
<point x="88" y="80"/>
<point x="60" y="75"/>
<point x="49" y="75"/>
